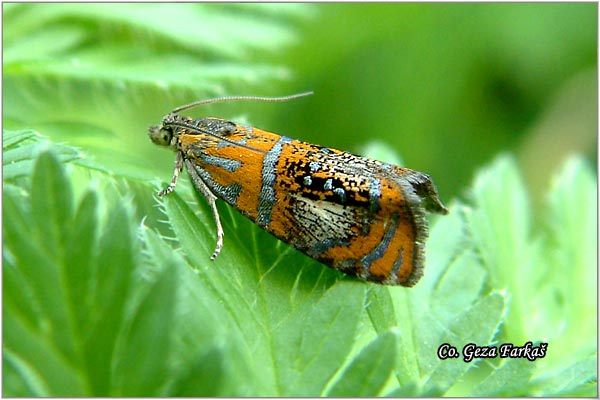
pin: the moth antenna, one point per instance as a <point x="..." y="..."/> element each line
<point x="240" y="98"/>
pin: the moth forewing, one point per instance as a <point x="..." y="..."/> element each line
<point x="360" y="216"/>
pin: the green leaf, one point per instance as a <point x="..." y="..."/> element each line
<point x="38" y="245"/>
<point x="548" y="302"/>
<point x="312" y="327"/>
<point x="121" y="297"/>
<point x="369" y="370"/>
<point x="67" y="61"/>
<point x="206" y="377"/>
<point x="572" y="247"/>
<point x="64" y="63"/>
<point x="79" y="261"/>
<point x="73" y="304"/>
<point x="479" y="325"/>
<point x="32" y="360"/>
<point x="447" y="306"/>
<point x="463" y="272"/>
<point x="21" y="147"/>
<point x="579" y="379"/>
<point x="203" y="348"/>
<point x="220" y="37"/>
<point x="500" y="225"/>
<point x="142" y="369"/>
<point x="277" y="323"/>
<point x="500" y="222"/>
<point x="316" y="339"/>
<point x="12" y="138"/>
<point x="380" y="309"/>
<point x="450" y="304"/>
<point x="39" y="334"/>
<point x="112" y="274"/>
<point x="51" y="201"/>
<point x="511" y="379"/>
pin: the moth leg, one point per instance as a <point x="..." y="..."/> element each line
<point x="210" y="197"/>
<point x="176" y="171"/>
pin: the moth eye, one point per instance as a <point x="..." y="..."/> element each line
<point x="160" y="136"/>
<point x="167" y="134"/>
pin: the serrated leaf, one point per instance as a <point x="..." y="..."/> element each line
<point x="65" y="62"/>
<point x="78" y="272"/>
<point x="380" y="309"/>
<point x="541" y="314"/>
<point x="447" y="240"/>
<point x="201" y="330"/>
<point x="75" y="294"/>
<point x="39" y="331"/>
<point x="500" y="227"/>
<point x="113" y="273"/>
<point x="21" y="148"/>
<point x="302" y="363"/>
<point x="573" y="249"/>
<point x="37" y="241"/>
<point x="37" y="363"/>
<point x="577" y="379"/>
<point x="10" y="138"/>
<point x="511" y="379"/>
<point x="426" y="315"/>
<point x="445" y="307"/>
<point x="19" y="284"/>
<point x="316" y="339"/>
<point x="223" y="274"/>
<point x="369" y="370"/>
<point x="51" y="203"/>
<point x="227" y="34"/>
<point x="464" y="272"/>
<point x="500" y="222"/>
<point x="142" y="369"/>
<point x="219" y="36"/>
<point x="478" y="324"/>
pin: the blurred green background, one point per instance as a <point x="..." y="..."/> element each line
<point x="451" y="85"/>
<point x="447" y="86"/>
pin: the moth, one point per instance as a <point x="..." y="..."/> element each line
<point x="363" y="217"/>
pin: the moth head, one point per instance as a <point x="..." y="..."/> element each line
<point x="165" y="133"/>
<point x="161" y="135"/>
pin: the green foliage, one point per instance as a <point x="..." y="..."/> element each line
<point x="70" y="70"/>
<point x="369" y="370"/>
<point x="82" y="300"/>
<point x="109" y="291"/>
